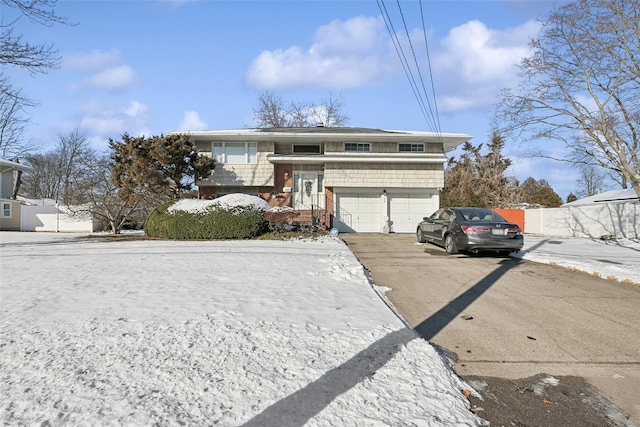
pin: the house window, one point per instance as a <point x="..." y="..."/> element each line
<point x="357" y="146"/>
<point x="411" y="148"/>
<point x="296" y="177"/>
<point x="235" y="152"/>
<point x="306" y="149"/>
<point x="6" y="210"/>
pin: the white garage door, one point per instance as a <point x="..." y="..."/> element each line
<point x="407" y="210"/>
<point x="358" y="212"/>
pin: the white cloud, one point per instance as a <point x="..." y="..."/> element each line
<point x="470" y="65"/>
<point x="115" y="78"/>
<point x="136" y="110"/>
<point x="94" y="60"/>
<point x="101" y="122"/>
<point x="473" y="63"/>
<point x="344" y="54"/>
<point x="191" y="121"/>
<point x="105" y="70"/>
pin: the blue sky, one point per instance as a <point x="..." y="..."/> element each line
<point x="151" y="67"/>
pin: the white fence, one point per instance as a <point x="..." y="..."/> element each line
<point x="617" y="219"/>
<point x="52" y="218"/>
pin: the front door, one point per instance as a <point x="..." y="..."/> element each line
<point x="306" y="190"/>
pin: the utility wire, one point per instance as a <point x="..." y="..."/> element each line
<point x="431" y="117"/>
<point x="401" y="56"/>
<point x="424" y="101"/>
<point x="433" y="87"/>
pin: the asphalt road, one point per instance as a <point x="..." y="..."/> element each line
<point x="505" y="321"/>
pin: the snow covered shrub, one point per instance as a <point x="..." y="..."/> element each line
<point x="215" y="221"/>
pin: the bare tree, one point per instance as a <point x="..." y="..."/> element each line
<point x="581" y="86"/>
<point x="81" y="179"/>
<point x="76" y="155"/>
<point x="272" y="112"/>
<point x="329" y="112"/>
<point x="33" y="57"/>
<point x="12" y="120"/>
<point x="103" y="200"/>
<point x="36" y="58"/>
<point x="297" y="115"/>
<point x="42" y="182"/>
<point x="61" y="173"/>
<point x="591" y="181"/>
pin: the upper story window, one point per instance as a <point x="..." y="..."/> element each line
<point x="357" y="146"/>
<point x="411" y="148"/>
<point x="235" y="152"/>
<point x="306" y="149"/>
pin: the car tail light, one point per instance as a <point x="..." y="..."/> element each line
<point x="468" y="229"/>
<point x="516" y="230"/>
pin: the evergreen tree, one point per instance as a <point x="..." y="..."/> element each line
<point x="158" y="168"/>
<point x="478" y="179"/>
<point x="538" y="193"/>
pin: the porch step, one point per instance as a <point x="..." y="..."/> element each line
<point x="305" y="218"/>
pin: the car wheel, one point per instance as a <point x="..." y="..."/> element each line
<point x="420" y="236"/>
<point x="450" y="245"/>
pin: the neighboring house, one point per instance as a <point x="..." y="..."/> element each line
<point x="20" y="214"/>
<point x="10" y="212"/>
<point x="628" y="195"/>
<point x="354" y="179"/>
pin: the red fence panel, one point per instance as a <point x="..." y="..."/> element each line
<point x="512" y="215"/>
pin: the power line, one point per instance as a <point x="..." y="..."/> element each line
<point x="433" y="87"/>
<point x="402" y="57"/>
<point x="431" y="118"/>
<point x="424" y="101"/>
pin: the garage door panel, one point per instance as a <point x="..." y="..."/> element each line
<point x="358" y="212"/>
<point x="407" y="210"/>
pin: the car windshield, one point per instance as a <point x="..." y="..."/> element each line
<point x="436" y="215"/>
<point x="477" y="215"/>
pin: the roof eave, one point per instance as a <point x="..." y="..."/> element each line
<point x="448" y="140"/>
<point x="6" y="165"/>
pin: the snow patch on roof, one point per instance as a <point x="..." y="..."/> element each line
<point x="608" y="196"/>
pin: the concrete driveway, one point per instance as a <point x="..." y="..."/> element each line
<point x="512" y="318"/>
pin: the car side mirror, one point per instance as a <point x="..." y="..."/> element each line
<point x="426" y="218"/>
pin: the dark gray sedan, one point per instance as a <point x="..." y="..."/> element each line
<point x="470" y="230"/>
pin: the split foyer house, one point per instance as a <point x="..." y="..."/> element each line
<point x="353" y="179"/>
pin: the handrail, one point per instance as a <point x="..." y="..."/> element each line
<point x="323" y="214"/>
<point x="319" y="212"/>
<point x="329" y="213"/>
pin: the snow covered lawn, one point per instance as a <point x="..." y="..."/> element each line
<point x="260" y="333"/>
<point x="617" y="260"/>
